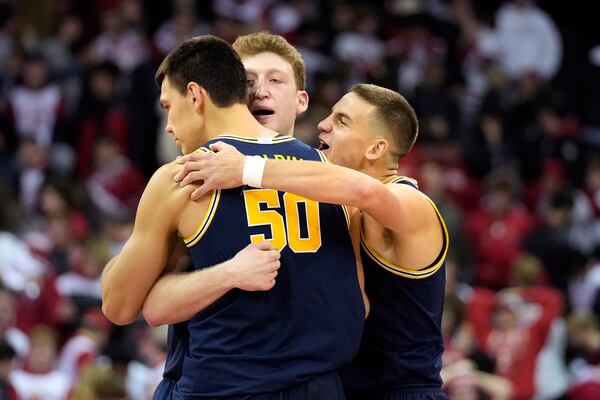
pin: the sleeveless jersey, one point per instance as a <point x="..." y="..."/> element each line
<point x="402" y="342"/>
<point x="309" y="323"/>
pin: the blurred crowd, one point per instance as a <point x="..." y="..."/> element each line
<point x="508" y="98"/>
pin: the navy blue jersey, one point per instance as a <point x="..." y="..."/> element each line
<point x="309" y="323"/>
<point x="402" y="342"/>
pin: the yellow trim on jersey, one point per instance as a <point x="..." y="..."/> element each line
<point x="206" y="221"/>
<point x="274" y="140"/>
<point x="203" y="150"/>
<point x="347" y="215"/>
<point x="406" y="272"/>
<point x="322" y="156"/>
<point x="405" y="179"/>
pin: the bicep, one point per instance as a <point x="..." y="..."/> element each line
<point x="394" y="207"/>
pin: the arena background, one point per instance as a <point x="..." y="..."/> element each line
<point x="508" y="98"/>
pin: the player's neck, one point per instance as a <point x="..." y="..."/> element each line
<point x="235" y="120"/>
<point x="378" y="170"/>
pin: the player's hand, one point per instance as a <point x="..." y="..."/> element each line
<point x="220" y="170"/>
<point x="255" y="267"/>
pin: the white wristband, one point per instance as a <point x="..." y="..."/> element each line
<point x="254" y="167"/>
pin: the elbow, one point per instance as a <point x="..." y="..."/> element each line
<point x="118" y="315"/>
<point x="153" y="317"/>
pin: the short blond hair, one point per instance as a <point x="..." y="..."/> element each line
<point x="266" y="42"/>
<point x="394" y="113"/>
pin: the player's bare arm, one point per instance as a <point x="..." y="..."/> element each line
<point x="129" y="281"/>
<point x="127" y="278"/>
<point x="396" y="210"/>
<point x="177" y="297"/>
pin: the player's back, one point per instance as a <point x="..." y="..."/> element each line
<point x="309" y="323"/>
<point x="402" y="342"/>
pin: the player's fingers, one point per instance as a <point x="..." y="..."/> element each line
<point x="186" y="169"/>
<point x="200" y="192"/>
<point x="189" y="157"/>
<point x="275" y="254"/>
<point x="264" y="245"/>
<point x="218" y="146"/>
<point x="193" y="177"/>
<point x="275" y="265"/>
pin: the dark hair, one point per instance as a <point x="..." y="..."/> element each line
<point x="395" y="114"/>
<point x="211" y="63"/>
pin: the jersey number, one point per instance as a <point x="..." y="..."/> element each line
<point x="282" y="234"/>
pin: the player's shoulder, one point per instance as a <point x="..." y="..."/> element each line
<point x="162" y="184"/>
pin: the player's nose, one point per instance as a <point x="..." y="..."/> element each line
<point x="324" y="126"/>
<point x="261" y="91"/>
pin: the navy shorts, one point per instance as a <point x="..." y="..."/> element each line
<point x="402" y="394"/>
<point x="327" y="386"/>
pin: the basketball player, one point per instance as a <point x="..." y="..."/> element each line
<point x="403" y="243"/>
<point x="281" y="343"/>
<point x="276" y="83"/>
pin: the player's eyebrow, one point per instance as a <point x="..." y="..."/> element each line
<point x="342" y="115"/>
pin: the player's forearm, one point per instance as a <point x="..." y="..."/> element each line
<point x="326" y="183"/>
<point x="329" y="183"/>
<point x="178" y="297"/>
<point x="128" y="278"/>
<point x="115" y="304"/>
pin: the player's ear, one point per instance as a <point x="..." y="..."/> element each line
<point x="301" y="101"/>
<point x="196" y="94"/>
<point x="377" y="149"/>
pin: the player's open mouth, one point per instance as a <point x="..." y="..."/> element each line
<point x="262" y="112"/>
<point x="323" y="145"/>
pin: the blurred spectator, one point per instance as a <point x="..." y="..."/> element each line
<point x="118" y="41"/>
<point x="100" y="383"/>
<point x="551" y="241"/>
<point x="82" y="282"/>
<point x="437" y="110"/>
<point x="31" y="173"/>
<point x="584" y="288"/>
<point x="584" y="346"/>
<point x="250" y="12"/>
<point x="36" y="104"/>
<point x="61" y="51"/>
<point x="592" y="185"/>
<point x="9" y="333"/>
<point x="103" y="112"/>
<point x="115" y="186"/>
<point x="81" y="350"/>
<point x="524" y="40"/>
<point x="38" y="379"/>
<point x="496" y="230"/>
<point x="360" y="48"/>
<point x="144" y="376"/>
<point x="489" y="148"/>
<point x="183" y="24"/>
<point x="512" y="327"/>
<point x="7" y="365"/>
<point x="19" y="268"/>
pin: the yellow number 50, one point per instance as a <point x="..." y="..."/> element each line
<point x="282" y="234"/>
